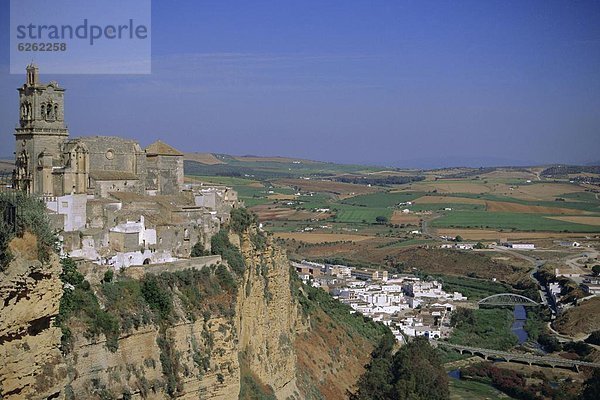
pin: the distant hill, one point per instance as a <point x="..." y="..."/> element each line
<point x="6" y="166"/>
<point x="202" y="158"/>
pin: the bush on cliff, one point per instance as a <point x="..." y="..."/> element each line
<point x="79" y="301"/>
<point x="221" y="245"/>
<point x="31" y="217"/>
<point x="241" y="219"/>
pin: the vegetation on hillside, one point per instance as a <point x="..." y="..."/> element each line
<point x="333" y="352"/>
<point x="414" y="372"/>
<point x="517" y="385"/>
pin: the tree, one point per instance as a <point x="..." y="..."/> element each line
<point x="462" y="316"/>
<point x="594" y="338"/>
<point x="381" y="219"/>
<point x="413" y="373"/>
<point x="241" y="219"/>
<point x="591" y="387"/>
<point x="108" y="276"/>
<point x="418" y="373"/>
<point x="480" y="245"/>
<point x="198" y="250"/>
<point x="458" y="238"/>
<point x="596" y="269"/>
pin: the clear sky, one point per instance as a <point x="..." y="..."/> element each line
<point x="420" y="83"/>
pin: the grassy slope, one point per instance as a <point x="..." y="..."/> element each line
<point x="471" y="390"/>
<point x="582" y="319"/>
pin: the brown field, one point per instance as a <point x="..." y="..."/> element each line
<point x="339" y="188"/>
<point x="447" y="199"/>
<point x="256" y="185"/>
<point x="508" y="174"/>
<point x="273" y="159"/>
<point x="505" y="206"/>
<point x="280" y="196"/>
<point x="444" y="172"/>
<point x="483" y="234"/>
<point x="541" y="191"/>
<point x="580" y="220"/>
<point x="409" y="219"/>
<point x="267" y="212"/>
<point x="393" y="173"/>
<point x="204" y="158"/>
<point x="308" y="237"/>
<point x="536" y="192"/>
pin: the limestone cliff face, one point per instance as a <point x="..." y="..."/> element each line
<point x="135" y="370"/>
<point x="268" y="319"/>
<point x="191" y="359"/>
<point x="31" y="365"/>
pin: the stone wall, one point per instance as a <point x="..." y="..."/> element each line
<point x="179" y="265"/>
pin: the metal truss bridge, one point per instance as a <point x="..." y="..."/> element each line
<point x="507" y="299"/>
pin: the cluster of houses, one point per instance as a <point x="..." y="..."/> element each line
<point x="409" y="305"/>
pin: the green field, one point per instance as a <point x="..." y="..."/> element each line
<point x="586" y="201"/>
<point x="354" y="214"/>
<point x="382" y="199"/>
<point x="471" y="390"/>
<point x="508" y="221"/>
<point x="441" y="206"/>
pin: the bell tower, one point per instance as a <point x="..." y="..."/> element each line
<point x="40" y="133"/>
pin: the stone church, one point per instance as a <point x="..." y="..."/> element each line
<point x="49" y="163"/>
<point x="113" y="202"/>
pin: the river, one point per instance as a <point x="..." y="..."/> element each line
<point x="518" y="326"/>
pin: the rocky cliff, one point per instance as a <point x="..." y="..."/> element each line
<point x="200" y="352"/>
<point x="31" y="364"/>
<point x="247" y="330"/>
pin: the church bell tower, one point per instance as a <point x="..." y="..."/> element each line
<point x="40" y="134"/>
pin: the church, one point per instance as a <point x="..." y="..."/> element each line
<point x="113" y="202"/>
<point x="49" y="163"/>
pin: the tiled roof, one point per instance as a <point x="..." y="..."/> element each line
<point x="159" y="148"/>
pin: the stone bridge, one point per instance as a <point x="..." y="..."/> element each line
<point x="530" y="359"/>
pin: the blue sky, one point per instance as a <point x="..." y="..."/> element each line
<point x="385" y="82"/>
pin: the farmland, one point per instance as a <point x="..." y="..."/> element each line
<point x="508" y="221"/>
<point x="294" y="195"/>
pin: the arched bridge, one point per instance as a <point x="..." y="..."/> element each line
<point x="530" y="359"/>
<point x="507" y="299"/>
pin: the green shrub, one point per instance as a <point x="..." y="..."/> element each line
<point x="241" y="219"/>
<point x="221" y="245"/>
<point x="32" y="218"/>
<point x="198" y="250"/>
<point x="157" y="297"/>
<point x="108" y="276"/>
